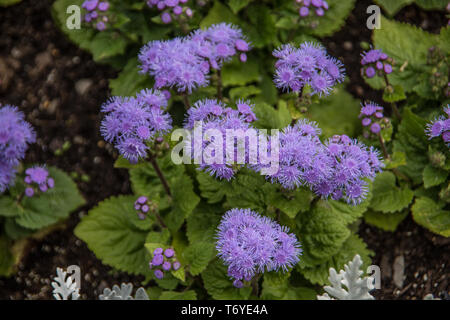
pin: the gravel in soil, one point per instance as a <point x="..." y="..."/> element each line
<point x="60" y="89"/>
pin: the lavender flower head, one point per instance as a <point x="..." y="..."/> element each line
<point x="37" y="180"/>
<point x="440" y="127"/>
<point x="375" y="62"/>
<point x="144" y="206"/>
<point x="308" y="65"/>
<point x="170" y="9"/>
<point x="249" y="244"/>
<point x="215" y="119"/>
<point x="307" y="7"/>
<point x="163" y="261"/>
<point x="185" y="63"/>
<point x="372" y="118"/>
<point x="96" y="13"/>
<point x="131" y="122"/>
<point x="15" y="135"/>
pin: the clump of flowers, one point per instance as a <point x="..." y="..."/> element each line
<point x="170" y="8"/>
<point x="143" y="206"/>
<point x="440" y="127"/>
<point x="336" y="169"/>
<point x="308" y="65"/>
<point x="307" y="7"/>
<point x="37" y="180"/>
<point x="373" y="119"/>
<point x="215" y="117"/>
<point x="132" y="122"/>
<point x="249" y="244"/>
<point x="15" y="135"/>
<point x="96" y="13"/>
<point x="163" y="261"/>
<point x="185" y="63"/>
<point x="376" y="62"/>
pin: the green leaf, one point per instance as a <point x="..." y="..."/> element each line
<point x="107" y="44"/>
<point x="198" y="255"/>
<point x="276" y="286"/>
<point x="348" y="213"/>
<point x="334" y="18"/>
<point x="217" y="14"/>
<point x="411" y="140"/>
<point x="6" y="257"/>
<point x="391" y="7"/>
<point x="271" y="118"/>
<point x="337" y="113"/>
<point x="321" y="234"/>
<point x="238" y="73"/>
<point x="318" y="274"/>
<point x="218" y="283"/>
<point x="9" y="207"/>
<point x="432" y="4"/>
<point x="173" y="295"/>
<point x="238" y="5"/>
<point x="14" y="231"/>
<point x="212" y="189"/>
<point x="432" y="216"/>
<point x="397" y="159"/>
<point x="387" y="197"/>
<point x="262" y="31"/>
<point x="386" y="222"/>
<point x="130" y="81"/>
<point x="298" y="201"/>
<point x="184" y="202"/>
<point x="5" y="3"/>
<point x="397" y="94"/>
<point x="202" y="223"/>
<point x="244" y="92"/>
<point x="49" y="207"/>
<point x="433" y="176"/>
<point x="113" y="238"/>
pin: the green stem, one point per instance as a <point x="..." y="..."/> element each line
<point x="219" y="85"/>
<point x="186" y="102"/>
<point x="160" y="175"/>
<point x="393" y="104"/>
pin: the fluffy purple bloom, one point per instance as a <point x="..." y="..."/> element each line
<point x="15" y="136"/>
<point x="142" y="206"/>
<point x="158" y="274"/>
<point x="130" y="122"/>
<point x="375" y="62"/>
<point x="163" y="261"/>
<point x="440" y="127"/>
<point x="308" y="65"/>
<point x="372" y="115"/>
<point x="215" y="117"/>
<point x="249" y="244"/>
<point x="318" y="6"/>
<point x="37" y="178"/>
<point x="97" y="13"/>
<point x="166" y="6"/>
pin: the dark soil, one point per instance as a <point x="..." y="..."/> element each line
<point x="61" y="89"/>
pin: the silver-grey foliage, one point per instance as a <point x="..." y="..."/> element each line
<point x="123" y="293"/>
<point x="356" y="288"/>
<point x="63" y="288"/>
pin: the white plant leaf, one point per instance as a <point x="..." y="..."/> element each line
<point x="63" y="288"/>
<point x="123" y="293"/>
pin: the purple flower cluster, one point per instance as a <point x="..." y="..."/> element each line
<point x="15" y="135"/>
<point x="37" y="179"/>
<point x="215" y="116"/>
<point x="96" y="13"/>
<point x="249" y="244"/>
<point x="185" y="63"/>
<point x="375" y="61"/>
<point x="336" y="169"/>
<point x="131" y="122"/>
<point x="372" y="116"/>
<point x="143" y="206"/>
<point x="440" y="127"/>
<point x="307" y="6"/>
<point x="308" y="65"/>
<point x="170" y="8"/>
<point x="163" y="261"/>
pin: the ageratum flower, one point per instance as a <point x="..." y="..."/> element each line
<point x="163" y="261"/>
<point x="185" y="63"/>
<point x="375" y="62"/>
<point x="170" y="8"/>
<point x="440" y="127"/>
<point x="97" y="13"/>
<point x="131" y="122"/>
<point x="249" y="244"/>
<point x="15" y="135"/>
<point x="372" y="118"/>
<point x="37" y="179"/>
<point x="308" y="65"/>
<point x="308" y="6"/>
<point x="214" y="115"/>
